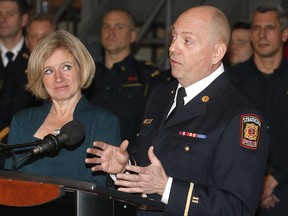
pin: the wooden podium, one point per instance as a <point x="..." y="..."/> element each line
<point x="26" y="194"/>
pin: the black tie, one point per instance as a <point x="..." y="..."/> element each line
<point x="180" y="98"/>
<point x="179" y="102"/>
<point x="10" y="57"/>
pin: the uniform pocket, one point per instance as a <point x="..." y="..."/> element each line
<point x="191" y="156"/>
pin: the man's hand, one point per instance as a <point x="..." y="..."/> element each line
<point x="147" y="180"/>
<point x="269" y="185"/>
<point x="109" y="158"/>
<point x="268" y="199"/>
<point x="269" y="202"/>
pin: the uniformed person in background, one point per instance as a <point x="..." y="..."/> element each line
<point x="263" y="79"/>
<point x="122" y="83"/>
<point x="13" y="63"/>
<point x="209" y="157"/>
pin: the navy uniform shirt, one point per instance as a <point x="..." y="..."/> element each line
<point x="270" y="94"/>
<point x="124" y="90"/>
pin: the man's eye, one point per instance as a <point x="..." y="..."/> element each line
<point x="119" y="27"/>
<point x="188" y="42"/>
<point x="270" y="27"/>
<point x="255" y="28"/>
<point x="11" y="14"/>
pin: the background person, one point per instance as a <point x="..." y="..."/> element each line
<point x="240" y="48"/>
<point x="122" y="84"/>
<point x="13" y="95"/>
<point x="38" y="27"/>
<point x="263" y="79"/>
<point x="209" y="157"/>
<point x="59" y="67"/>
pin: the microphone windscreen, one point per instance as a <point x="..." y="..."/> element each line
<point x="75" y="132"/>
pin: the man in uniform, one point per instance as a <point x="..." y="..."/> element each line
<point x="13" y="62"/>
<point x="263" y="79"/>
<point x="208" y="156"/>
<point x="122" y="83"/>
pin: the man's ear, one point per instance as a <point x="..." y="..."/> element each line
<point x="219" y="52"/>
<point x="285" y="35"/>
<point x="133" y="36"/>
<point x="24" y="19"/>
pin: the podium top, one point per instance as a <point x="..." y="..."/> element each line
<point x="92" y="188"/>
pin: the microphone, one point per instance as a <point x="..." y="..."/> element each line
<point x="70" y="134"/>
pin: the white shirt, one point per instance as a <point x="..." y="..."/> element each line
<point x="191" y="92"/>
<point x="15" y="51"/>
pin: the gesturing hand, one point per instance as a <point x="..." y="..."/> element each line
<point x="109" y="158"/>
<point x="148" y="180"/>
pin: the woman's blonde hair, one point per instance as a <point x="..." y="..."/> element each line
<point x="60" y="39"/>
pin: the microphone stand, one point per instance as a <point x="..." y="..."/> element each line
<point x="5" y="147"/>
<point x="17" y="164"/>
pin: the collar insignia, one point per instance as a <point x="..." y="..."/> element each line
<point x="147" y="121"/>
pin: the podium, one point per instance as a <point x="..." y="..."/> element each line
<point x="27" y="194"/>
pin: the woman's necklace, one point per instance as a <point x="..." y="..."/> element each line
<point x="56" y="131"/>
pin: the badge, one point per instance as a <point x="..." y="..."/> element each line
<point x="205" y="99"/>
<point x="250" y="131"/>
<point x="147" y="121"/>
<point x="25" y="55"/>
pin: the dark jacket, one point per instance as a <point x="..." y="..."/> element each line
<point x="215" y="148"/>
<point x="100" y="125"/>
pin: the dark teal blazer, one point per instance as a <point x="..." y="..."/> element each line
<point x="100" y="125"/>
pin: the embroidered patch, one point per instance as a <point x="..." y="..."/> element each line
<point x="250" y="131"/>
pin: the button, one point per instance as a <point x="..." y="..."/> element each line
<point x="187" y="148"/>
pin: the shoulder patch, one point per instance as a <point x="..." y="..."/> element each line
<point x="250" y="126"/>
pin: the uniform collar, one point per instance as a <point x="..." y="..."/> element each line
<point x="199" y="86"/>
<point x="15" y="50"/>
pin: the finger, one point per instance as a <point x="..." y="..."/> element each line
<point x="135" y="169"/>
<point x="100" y="144"/>
<point x="152" y="157"/>
<point x="95" y="151"/>
<point x="93" y="160"/>
<point x="124" y="146"/>
<point x="130" y="190"/>
<point x="276" y="198"/>
<point x="128" y="186"/>
<point x="96" y="168"/>
<point x="266" y="192"/>
<point x="127" y="177"/>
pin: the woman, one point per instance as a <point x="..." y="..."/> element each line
<point x="59" y="67"/>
